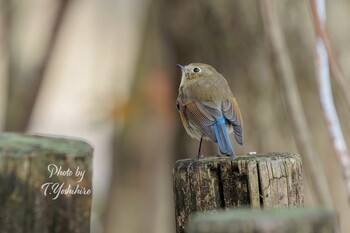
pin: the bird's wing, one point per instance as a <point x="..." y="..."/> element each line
<point x="203" y="115"/>
<point x="209" y="116"/>
<point x="233" y="114"/>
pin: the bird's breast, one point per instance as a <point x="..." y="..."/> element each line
<point x="204" y="90"/>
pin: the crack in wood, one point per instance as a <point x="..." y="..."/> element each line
<point x="221" y="188"/>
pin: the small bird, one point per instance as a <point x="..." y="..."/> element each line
<point x="208" y="108"/>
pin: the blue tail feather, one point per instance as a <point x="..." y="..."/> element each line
<point x="222" y="137"/>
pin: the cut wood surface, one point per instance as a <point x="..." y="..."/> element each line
<point x="296" y="220"/>
<point x="259" y="180"/>
<point x="34" y="200"/>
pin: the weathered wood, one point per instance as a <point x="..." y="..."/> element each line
<point x="32" y="201"/>
<point x="282" y="220"/>
<point x="260" y="180"/>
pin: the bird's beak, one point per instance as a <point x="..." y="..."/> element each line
<point x="181" y="67"/>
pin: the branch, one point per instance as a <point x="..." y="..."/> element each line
<point x="325" y="90"/>
<point x="313" y="168"/>
<point x="338" y="75"/>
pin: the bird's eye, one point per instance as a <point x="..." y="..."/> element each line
<point x="196" y="70"/>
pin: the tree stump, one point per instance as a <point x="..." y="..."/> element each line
<point x="259" y="180"/>
<point x="300" y="220"/>
<point x="46" y="184"/>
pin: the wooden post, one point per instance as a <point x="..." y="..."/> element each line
<point x="259" y="180"/>
<point x="46" y="184"/>
<point x="301" y="220"/>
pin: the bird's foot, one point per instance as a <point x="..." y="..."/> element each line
<point x="196" y="157"/>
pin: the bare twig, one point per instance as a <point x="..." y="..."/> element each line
<point x="325" y="90"/>
<point x="312" y="166"/>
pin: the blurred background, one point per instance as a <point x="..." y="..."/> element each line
<point x="105" y="71"/>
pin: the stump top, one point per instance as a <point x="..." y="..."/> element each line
<point x="255" y="157"/>
<point x="267" y="220"/>
<point x="15" y="144"/>
<point x="248" y="215"/>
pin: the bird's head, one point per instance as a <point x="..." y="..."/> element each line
<point x="194" y="71"/>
